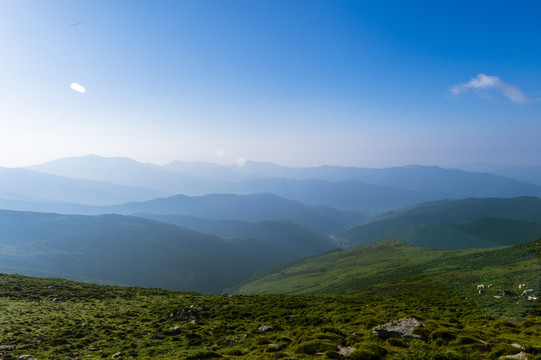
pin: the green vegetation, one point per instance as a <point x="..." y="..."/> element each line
<point x="321" y="307"/>
<point x="395" y="264"/>
<point x="59" y="319"/>
<point x="455" y="224"/>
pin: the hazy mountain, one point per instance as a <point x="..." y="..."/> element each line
<point x="504" y="182"/>
<point x="48" y="207"/>
<point x="251" y="208"/>
<point x="529" y="174"/>
<point x="445" y="183"/>
<point x="455" y="224"/>
<point x="128" y="250"/>
<point x="33" y="186"/>
<point x="343" y="195"/>
<point x="124" y="171"/>
<point x="453" y="183"/>
<point x="284" y="236"/>
<point x="346" y="188"/>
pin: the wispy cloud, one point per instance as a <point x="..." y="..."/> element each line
<point x="78" y="87"/>
<point x="482" y="84"/>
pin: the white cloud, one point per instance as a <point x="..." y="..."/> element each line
<point x="78" y="87"/>
<point x="483" y="83"/>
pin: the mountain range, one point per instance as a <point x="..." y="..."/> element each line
<point x="116" y="220"/>
<point x="31" y="186"/>
<point x="345" y="188"/>
<point x="285" y="237"/>
<point x="216" y="254"/>
<point x="135" y="251"/>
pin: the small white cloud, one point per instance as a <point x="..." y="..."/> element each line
<point x="483" y="83"/>
<point x="78" y="88"/>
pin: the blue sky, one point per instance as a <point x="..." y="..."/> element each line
<point x="300" y="83"/>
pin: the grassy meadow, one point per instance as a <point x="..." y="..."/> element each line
<point x="391" y="263"/>
<point x="60" y="319"/>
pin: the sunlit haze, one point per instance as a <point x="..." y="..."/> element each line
<point x="300" y="83"/>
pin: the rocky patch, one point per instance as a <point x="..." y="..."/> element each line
<point x="402" y="328"/>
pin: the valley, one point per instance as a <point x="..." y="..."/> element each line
<point x="283" y="267"/>
<point x="59" y="319"/>
<point x="260" y="180"/>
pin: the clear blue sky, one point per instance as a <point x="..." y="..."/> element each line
<point x="363" y="83"/>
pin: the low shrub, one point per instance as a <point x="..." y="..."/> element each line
<point x="463" y="340"/>
<point x="432" y="355"/>
<point x="443" y="336"/>
<point x="503" y="349"/>
<point x="337" y="339"/>
<point x="398" y="342"/>
<point x="363" y="355"/>
<point x="315" y="346"/>
<point x="369" y="352"/>
<point x="203" y="355"/>
<point x="333" y="355"/>
<point x="234" y="352"/>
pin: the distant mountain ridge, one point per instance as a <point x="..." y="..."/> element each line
<point x="529" y="174"/>
<point x="284" y="236"/>
<point x="345" y="188"/>
<point x="250" y="208"/>
<point x="135" y="251"/>
<point x="128" y="172"/>
<point x="28" y="185"/>
<point x="343" y="195"/>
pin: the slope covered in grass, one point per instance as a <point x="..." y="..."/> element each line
<point x="397" y="264"/>
<point x="455" y="224"/>
<point x="59" y="319"/>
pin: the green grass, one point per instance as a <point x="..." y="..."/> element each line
<point x="455" y="224"/>
<point x="60" y="319"/>
<point x="388" y="264"/>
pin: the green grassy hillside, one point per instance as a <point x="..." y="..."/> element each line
<point x="396" y="264"/>
<point x="455" y="224"/>
<point x="480" y="233"/>
<point x="58" y="319"/>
